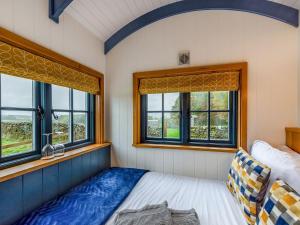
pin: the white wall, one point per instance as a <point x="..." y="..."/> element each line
<point x="213" y="37"/>
<point x="29" y="18"/>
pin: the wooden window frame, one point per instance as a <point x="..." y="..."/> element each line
<point x="29" y="46"/>
<point x="241" y="67"/>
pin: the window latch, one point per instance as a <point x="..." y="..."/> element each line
<point x="54" y="115"/>
<point x="40" y="112"/>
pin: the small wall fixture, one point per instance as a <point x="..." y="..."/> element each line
<point x="184" y="58"/>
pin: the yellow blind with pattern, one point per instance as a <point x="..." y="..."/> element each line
<point x="218" y="81"/>
<point x="17" y="62"/>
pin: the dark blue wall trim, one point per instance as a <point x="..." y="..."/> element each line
<point x="261" y="7"/>
<point x="56" y="8"/>
<point x="21" y="195"/>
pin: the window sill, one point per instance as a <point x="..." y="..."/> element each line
<point x="186" y="147"/>
<point x="12" y="172"/>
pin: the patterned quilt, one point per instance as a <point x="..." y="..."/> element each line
<point x="92" y="202"/>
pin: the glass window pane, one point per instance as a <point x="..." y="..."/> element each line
<point x="80" y="126"/>
<point x="171" y="125"/>
<point x="17" y="132"/>
<point x="60" y="97"/>
<point x="79" y="100"/>
<point x="199" y="126"/>
<point x="61" y="128"/>
<point x="199" y="101"/>
<point x="154" y="102"/>
<point x="219" y="100"/>
<point x="172" y="102"/>
<point x="154" y="125"/>
<point x="16" y="92"/>
<point x="219" y="126"/>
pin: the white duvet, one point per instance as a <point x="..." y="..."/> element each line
<point x="211" y="199"/>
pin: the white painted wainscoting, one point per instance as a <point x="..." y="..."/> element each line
<point x="213" y="37"/>
<point x="186" y="163"/>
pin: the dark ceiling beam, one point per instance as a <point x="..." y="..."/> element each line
<point x="56" y="8"/>
<point x="266" y="8"/>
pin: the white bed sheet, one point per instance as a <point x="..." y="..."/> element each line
<point x="210" y="198"/>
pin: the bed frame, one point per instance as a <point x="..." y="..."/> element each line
<point x="293" y="138"/>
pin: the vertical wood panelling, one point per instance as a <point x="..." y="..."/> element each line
<point x="200" y="164"/>
<point x="168" y="163"/>
<point x="86" y="165"/>
<point x="65" y="176"/>
<point x="184" y="163"/>
<point x="50" y="182"/>
<point x="211" y="165"/>
<point x="158" y="164"/>
<point x="77" y="172"/>
<point x="104" y="156"/>
<point x="94" y="162"/>
<point x="11" y="201"/>
<point x="23" y="194"/>
<point x="123" y="125"/>
<point x="32" y="191"/>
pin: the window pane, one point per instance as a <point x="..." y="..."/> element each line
<point x="219" y="126"/>
<point x="172" y="102"/>
<point x="219" y="100"/>
<point x="154" y="102"/>
<point x="80" y="126"/>
<point x="60" y="97"/>
<point x="199" y="101"/>
<point x="16" y="92"/>
<point x="79" y="100"/>
<point x="199" y="126"/>
<point x="61" y="128"/>
<point x="171" y="125"/>
<point x="17" y="132"/>
<point x="154" y="122"/>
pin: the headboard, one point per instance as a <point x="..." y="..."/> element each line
<point x="293" y="138"/>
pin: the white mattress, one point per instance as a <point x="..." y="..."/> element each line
<point x="211" y="199"/>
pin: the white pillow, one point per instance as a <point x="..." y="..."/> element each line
<point x="284" y="165"/>
<point x="294" y="154"/>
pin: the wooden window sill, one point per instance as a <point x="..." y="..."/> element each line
<point x="186" y="147"/>
<point x="12" y="172"/>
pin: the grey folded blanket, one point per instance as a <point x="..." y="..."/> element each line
<point x="157" y="215"/>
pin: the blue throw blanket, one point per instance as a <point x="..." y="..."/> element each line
<point x="92" y="202"/>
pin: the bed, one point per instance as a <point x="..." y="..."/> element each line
<point x="98" y="200"/>
<point x="211" y="199"/>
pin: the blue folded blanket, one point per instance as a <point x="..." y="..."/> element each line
<point x="92" y="202"/>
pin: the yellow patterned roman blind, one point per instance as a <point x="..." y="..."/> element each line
<point x="218" y="81"/>
<point x="17" y="62"/>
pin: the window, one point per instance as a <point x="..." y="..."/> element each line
<point x="27" y="112"/>
<point x="196" y="118"/>
<point x="20" y="128"/>
<point x="195" y="108"/>
<point x="71" y="116"/>
<point x="162" y="116"/>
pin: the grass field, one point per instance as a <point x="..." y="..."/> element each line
<point x="172" y="133"/>
<point x="16" y="149"/>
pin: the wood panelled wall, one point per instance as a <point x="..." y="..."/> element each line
<point x="230" y="37"/>
<point x="23" y="194"/>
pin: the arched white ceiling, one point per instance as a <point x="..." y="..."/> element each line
<point x="105" y="17"/>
